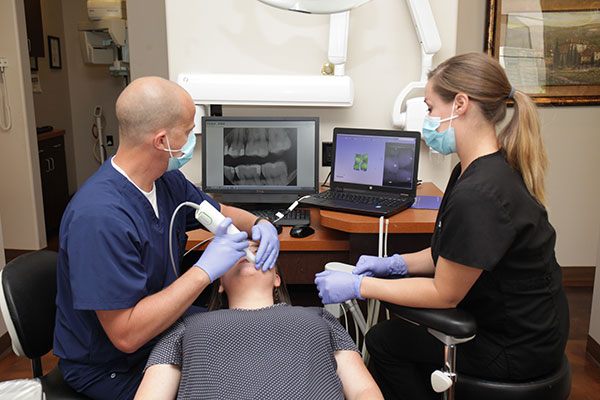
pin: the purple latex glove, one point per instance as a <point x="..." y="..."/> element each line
<point x="223" y="252"/>
<point x="381" y="266"/>
<point x="268" y="249"/>
<point x="338" y="287"/>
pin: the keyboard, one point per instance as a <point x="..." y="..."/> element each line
<point x="362" y="199"/>
<point x="298" y="216"/>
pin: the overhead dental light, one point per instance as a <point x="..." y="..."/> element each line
<point x="315" y="6"/>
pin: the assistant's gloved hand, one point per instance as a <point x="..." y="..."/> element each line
<point x="223" y="252"/>
<point x="337" y="287"/>
<point x="380" y="266"/>
<point x="268" y="249"/>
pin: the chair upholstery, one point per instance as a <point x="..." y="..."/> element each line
<point x="460" y="324"/>
<point x="28" y="286"/>
<point x="557" y="386"/>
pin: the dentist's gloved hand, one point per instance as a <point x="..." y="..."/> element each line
<point x="381" y="266"/>
<point x="337" y="287"/>
<point x="223" y="252"/>
<point x="268" y="249"/>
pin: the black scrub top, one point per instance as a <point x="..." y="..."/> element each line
<point x="488" y="220"/>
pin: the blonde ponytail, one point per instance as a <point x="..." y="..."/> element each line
<point x="485" y="82"/>
<point x="522" y="142"/>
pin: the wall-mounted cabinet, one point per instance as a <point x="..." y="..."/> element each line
<point x="35" y="30"/>
<point x="53" y="168"/>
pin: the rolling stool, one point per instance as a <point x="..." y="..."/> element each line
<point x="455" y="326"/>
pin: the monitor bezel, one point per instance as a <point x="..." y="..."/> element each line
<point x="279" y="195"/>
<point x="376" y="132"/>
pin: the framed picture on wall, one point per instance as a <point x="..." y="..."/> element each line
<point x="54" y="58"/>
<point x="550" y="49"/>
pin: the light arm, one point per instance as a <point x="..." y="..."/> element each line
<point x="131" y="328"/>
<point x="242" y="219"/>
<point x="450" y="284"/>
<point x="160" y="382"/>
<point x="420" y="263"/>
<point x="356" y="380"/>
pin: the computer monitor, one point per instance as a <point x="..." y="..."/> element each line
<point x="258" y="160"/>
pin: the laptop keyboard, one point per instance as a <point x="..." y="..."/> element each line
<point x="298" y="216"/>
<point x="363" y="199"/>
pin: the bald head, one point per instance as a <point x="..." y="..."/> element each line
<point x="150" y="104"/>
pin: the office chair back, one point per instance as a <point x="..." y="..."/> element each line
<point x="27" y="300"/>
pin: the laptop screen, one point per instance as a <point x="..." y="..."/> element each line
<point x="376" y="159"/>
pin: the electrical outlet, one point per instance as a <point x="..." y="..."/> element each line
<point x="326" y="154"/>
<point x="3" y="62"/>
<point x="109" y="141"/>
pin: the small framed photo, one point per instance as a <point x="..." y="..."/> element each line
<point x="33" y="63"/>
<point x="550" y="49"/>
<point x="54" y="58"/>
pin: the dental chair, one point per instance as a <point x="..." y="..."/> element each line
<point x="27" y="302"/>
<point x="455" y="326"/>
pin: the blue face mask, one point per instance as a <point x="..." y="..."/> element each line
<point x="442" y="142"/>
<point x="187" y="150"/>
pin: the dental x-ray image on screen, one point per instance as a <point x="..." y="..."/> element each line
<point x="260" y="156"/>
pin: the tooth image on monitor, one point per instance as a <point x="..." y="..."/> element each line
<point x="279" y="139"/>
<point x="268" y="156"/>
<point x="361" y="162"/>
<point x="275" y="173"/>
<point x="256" y="142"/>
<point x="235" y="142"/>
<point x="248" y="174"/>
<point x="229" y="173"/>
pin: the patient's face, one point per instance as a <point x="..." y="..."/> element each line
<point x="245" y="272"/>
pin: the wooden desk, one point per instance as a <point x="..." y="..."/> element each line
<point x="344" y="237"/>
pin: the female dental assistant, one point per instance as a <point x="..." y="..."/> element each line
<point x="492" y="251"/>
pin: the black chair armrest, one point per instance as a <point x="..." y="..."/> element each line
<point x="450" y="321"/>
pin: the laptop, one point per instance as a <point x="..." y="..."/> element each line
<point x="373" y="172"/>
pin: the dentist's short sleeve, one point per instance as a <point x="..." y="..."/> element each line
<point x="105" y="266"/>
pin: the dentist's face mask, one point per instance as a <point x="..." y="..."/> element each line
<point x="187" y="150"/>
<point x="442" y="142"/>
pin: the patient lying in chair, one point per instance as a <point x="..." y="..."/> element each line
<point x="256" y="346"/>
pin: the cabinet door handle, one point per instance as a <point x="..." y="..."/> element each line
<point x="47" y="165"/>
<point x="57" y="146"/>
<point x="53" y="165"/>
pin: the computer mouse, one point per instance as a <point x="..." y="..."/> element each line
<point x="301" y="231"/>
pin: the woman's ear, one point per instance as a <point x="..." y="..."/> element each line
<point x="461" y="102"/>
<point x="276" y="280"/>
<point x="221" y="289"/>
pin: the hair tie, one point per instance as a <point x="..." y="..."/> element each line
<point x="512" y="92"/>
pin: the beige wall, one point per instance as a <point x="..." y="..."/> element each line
<point x="89" y="85"/>
<point x="595" y="317"/>
<point x="230" y="36"/>
<point x="20" y="197"/>
<point x="571" y="138"/>
<point x="147" y="42"/>
<point x="2" y="263"/>
<point x="52" y="106"/>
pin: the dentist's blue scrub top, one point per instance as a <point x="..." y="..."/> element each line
<point x="113" y="253"/>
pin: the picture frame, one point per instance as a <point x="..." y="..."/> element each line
<point x="33" y="63"/>
<point x="550" y="49"/>
<point x="54" y="58"/>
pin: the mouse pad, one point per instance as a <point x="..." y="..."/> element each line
<point x="427" y="202"/>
